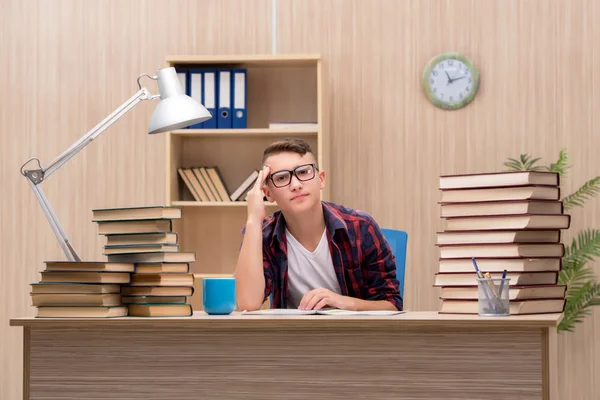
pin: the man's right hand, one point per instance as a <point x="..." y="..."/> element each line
<point x="256" y="204"/>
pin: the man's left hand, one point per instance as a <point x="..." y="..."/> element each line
<point x="319" y="298"/>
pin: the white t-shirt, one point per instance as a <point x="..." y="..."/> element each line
<point x="309" y="270"/>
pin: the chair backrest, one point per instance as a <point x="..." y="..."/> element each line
<point x="398" y="242"/>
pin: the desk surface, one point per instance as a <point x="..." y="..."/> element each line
<point x="237" y="320"/>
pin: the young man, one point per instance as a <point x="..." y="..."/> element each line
<point x="311" y="254"/>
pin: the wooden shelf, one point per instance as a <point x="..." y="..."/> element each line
<point x="254" y="132"/>
<point x="216" y="204"/>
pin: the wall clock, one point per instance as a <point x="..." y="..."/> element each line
<point x="450" y="81"/>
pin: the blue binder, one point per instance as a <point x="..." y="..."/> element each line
<point x="239" y="115"/>
<point x="195" y="84"/>
<point x="224" y="99"/>
<point x="210" y="97"/>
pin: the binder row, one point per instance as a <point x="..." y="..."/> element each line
<point x="222" y="91"/>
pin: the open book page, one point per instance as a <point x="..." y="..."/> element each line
<point x="279" y="311"/>
<point x="324" y="311"/>
<point x="335" y="311"/>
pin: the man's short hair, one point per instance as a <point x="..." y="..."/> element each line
<point x="287" y="145"/>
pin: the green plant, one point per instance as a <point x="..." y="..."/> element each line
<point x="583" y="291"/>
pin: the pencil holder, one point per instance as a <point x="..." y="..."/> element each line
<point x="493" y="297"/>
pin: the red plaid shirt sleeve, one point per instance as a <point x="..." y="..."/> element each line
<point x="268" y="271"/>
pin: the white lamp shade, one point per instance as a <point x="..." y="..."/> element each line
<point x="175" y="109"/>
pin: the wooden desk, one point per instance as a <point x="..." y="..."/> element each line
<point x="417" y="355"/>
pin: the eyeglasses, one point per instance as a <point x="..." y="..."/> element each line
<point x="283" y="178"/>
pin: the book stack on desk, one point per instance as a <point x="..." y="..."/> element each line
<point x="505" y="221"/>
<point x="161" y="282"/>
<point x="80" y="289"/>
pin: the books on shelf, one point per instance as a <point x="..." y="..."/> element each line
<point x="206" y="184"/>
<point x="507" y="221"/>
<point x="146" y="274"/>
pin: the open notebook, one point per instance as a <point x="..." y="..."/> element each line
<point x="325" y="311"/>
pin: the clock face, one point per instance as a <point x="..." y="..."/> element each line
<point x="450" y="81"/>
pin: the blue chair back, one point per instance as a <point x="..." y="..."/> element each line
<point x="398" y="242"/>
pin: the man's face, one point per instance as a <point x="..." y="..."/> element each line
<point x="294" y="191"/>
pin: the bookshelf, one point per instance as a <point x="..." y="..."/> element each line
<point x="279" y="88"/>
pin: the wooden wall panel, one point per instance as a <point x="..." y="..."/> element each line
<point x="539" y="82"/>
<point x="65" y="65"/>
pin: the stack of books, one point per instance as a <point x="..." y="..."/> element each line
<point x="161" y="282"/>
<point x="80" y="289"/>
<point x="508" y="224"/>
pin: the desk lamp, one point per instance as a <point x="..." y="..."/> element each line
<point x="175" y="110"/>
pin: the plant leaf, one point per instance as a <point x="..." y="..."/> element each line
<point x="560" y="165"/>
<point x="578" y="305"/>
<point x="585" y="192"/>
<point x="585" y="247"/>
<point x="524" y="163"/>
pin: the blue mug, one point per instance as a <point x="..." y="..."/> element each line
<point x="218" y="295"/>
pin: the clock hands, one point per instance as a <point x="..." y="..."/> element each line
<point x="450" y="80"/>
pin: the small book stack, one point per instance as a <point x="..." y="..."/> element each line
<point x="505" y="221"/>
<point x="81" y="289"/>
<point x="143" y="236"/>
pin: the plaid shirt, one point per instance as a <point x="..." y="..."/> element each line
<point x="363" y="261"/>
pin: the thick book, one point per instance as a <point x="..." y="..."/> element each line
<point x="90" y="266"/>
<point x="509" y="222"/>
<point x="74" y="300"/>
<point x="515" y="292"/>
<point x="157" y="290"/>
<point x="500" y="264"/>
<point x="154" y="299"/>
<point x="160" y="310"/>
<point x="162" y="280"/>
<point x="74" y="288"/>
<point x="159" y="256"/>
<point x="516" y="278"/>
<point x="129" y="239"/>
<point x="81" y="312"/>
<point x="85" y="277"/>
<point x="499" y="179"/>
<point x="140" y="248"/>
<point x="495" y="250"/>
<point x="509" y="207"/>
<point x="484" y="237"/>
<point x="138" y="226"/>
<point x="516" y="307"/>
<point x="500" y="194"/>
<point x="136" y="213"/>
<point x="162" y="268"/>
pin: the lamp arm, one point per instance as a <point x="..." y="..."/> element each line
<point x="86" y="139"/>
<point x="38" y="175"/>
